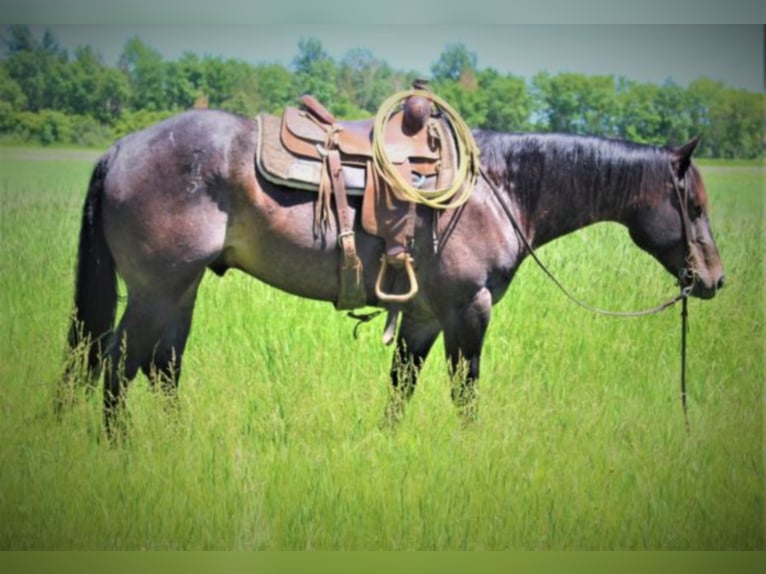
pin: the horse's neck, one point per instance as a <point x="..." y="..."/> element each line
<point x="561" y="212"/>
<point x="569" y="198"/>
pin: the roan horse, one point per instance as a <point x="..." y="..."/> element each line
<point x="169" y="202"/>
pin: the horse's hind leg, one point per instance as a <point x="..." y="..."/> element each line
<point x="151" y="336"/>
<point x="164" y="366"/>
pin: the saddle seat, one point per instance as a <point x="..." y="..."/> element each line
<point x="304" y="131"/>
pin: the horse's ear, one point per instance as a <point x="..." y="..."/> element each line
<point x="681" y="156"/>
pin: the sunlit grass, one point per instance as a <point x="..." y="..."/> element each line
<point x="580" y="442"/>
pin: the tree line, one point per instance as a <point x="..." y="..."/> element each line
<point x="48" y="95"/>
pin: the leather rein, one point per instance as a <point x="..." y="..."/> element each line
<point x="687" y="276"/>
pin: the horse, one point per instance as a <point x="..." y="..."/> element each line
<point x="183" y="196"/>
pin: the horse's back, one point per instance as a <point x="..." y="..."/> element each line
<point x="167" y="193"/>
<point x="182" y="145"/>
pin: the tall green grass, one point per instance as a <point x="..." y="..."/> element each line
<point x="580" y="442"/>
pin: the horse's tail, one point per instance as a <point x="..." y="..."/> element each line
<point x="95" y="297"/>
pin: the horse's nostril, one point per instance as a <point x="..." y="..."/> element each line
<point x="721" y="282"/>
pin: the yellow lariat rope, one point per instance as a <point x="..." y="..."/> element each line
<point x="460" y="188"/>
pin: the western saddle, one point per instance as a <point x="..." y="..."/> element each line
<point x="309" y="149"/>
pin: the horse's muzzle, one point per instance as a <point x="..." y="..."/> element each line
<point x="698" y="287"/>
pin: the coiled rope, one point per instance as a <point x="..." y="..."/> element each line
<point x="460" y="188"/>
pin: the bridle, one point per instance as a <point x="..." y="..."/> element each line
<point x="687" y="276"/>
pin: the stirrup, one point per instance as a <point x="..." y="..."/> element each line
<point x="390" y="297"/>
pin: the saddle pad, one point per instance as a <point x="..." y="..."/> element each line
<point x="283" y="168"/>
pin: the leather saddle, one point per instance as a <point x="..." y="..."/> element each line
<point x="292" y="148"/>
<point x="307" y="148"/>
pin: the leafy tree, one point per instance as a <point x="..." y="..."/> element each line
<point x="146" y="74"/>
<point x="19" y="38"/>
<point x="708" y="109"/>
<point x="745" y="125"/>
<point x="673" y="105"/>
<point x="738" y="120"/>
<point x="365" y="80"/>
<point x="223" y="77"/>
<point x="316" y="72"/>
<point x="83" y="80"/>
<point x="507" y="103"/>
<point x="638" y="118"/>
<point x="56" y="127"/>
<point x="465" y="96"/>
<point x="90" y="132"/>
<point x="730" y="121"/>
<point x="12" y="99"/>
<point x="94" y="89"/>
<point x="192" y="80"/>
<point x="276" y="87"/>
<point x="266" y="88"/>
<point x="113" y="95"/>
<point x="455" y="61"/>
<point x="131" y="121"/>
<point x="455" y="79"/>
<point x="185" y="81"/>
<point x="576" y="103"/>
<point x="50" y="45"/>
<point x="39" y="68"/>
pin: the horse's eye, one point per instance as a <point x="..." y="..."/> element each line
<point x="695" y="210"/>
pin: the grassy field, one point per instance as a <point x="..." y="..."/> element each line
<point x="580" y="442"/>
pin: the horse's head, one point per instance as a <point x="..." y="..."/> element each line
<point x="672" y="225"/>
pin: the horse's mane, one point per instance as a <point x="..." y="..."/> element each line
<point x="619" y="171"/>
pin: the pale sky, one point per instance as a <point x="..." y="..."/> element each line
<point x="645" y="40"/>
<point x="733" y="54"/>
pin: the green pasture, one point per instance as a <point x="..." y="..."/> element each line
<point x="580" y="441"/>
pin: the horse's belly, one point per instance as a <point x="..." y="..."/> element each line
<point x="284" y="254"/>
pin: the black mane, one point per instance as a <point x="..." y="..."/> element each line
<point x="530" y="164"/>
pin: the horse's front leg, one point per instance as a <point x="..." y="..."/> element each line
<point x="414" y="341"/>
<point x="464" y="330"/>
